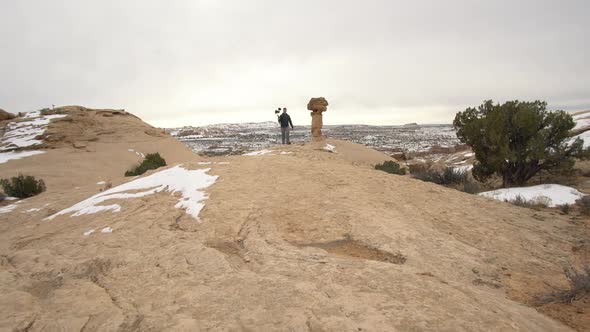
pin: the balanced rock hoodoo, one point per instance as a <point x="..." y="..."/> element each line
<point x="317" y="106"/>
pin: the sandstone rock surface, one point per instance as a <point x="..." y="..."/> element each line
<point x="6" y="116"/>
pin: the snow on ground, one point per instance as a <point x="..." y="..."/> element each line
<point x="213" y="163"/>
<point x="14" y="155"/>
<point x="8" y="208"/>
<point x="101" y="182"/>
<point x="585" y="136"/>
<point x="140" y="154"/>
<point x="469" y="155"/>
<point x="330" y="147"/>
<point x="106" y="230"/>
<point x="463" y="169"/>
<point x="36" y="209"/>
<point x="88" y="232"/>
<point x="257" y="153"/>
<point x="581" y="123"/>
<point x="286" y="152"/>
<point x="23" y="134"/>
<point x="174" y="180"/>
<point x="557" y="194"/>
<point x="582" y="120"/>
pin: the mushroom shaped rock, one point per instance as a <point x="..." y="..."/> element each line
<point x="319" y="104"/>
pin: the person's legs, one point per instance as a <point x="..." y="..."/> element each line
<point x="283" y="133"/>
<point x="288" y="135"/>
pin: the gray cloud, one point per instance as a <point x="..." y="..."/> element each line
<point x="196" y="62"/>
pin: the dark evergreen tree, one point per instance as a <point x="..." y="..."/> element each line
<point x="516" y="140"/>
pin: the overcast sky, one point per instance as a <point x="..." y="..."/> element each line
<point x="193" y="62"/>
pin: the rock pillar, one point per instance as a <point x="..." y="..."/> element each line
<point x="317" y="106"/>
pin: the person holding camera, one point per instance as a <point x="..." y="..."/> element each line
<point x="285" y="121"/>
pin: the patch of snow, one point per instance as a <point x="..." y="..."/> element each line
<point x="13" y="155"/>
<point x="33" y="114"/>
<point x="88" y="232"/>
<point x="10" y="198"/>
<point x="138" y="153"/>
<point x="101" y="182"/>
<point x="204" y="163"/>
<point x="36" y="209"/>
<point x="582" y="123"/>
<point x="8" y="208"/>
<point x="469" y="155"/>
<point x="257" y="153"/>
<point x="557" y="194"/>
<point x="106" y="230"/>
<point x="23" y="134"/>
<point x="585" y="136"/>
<point x="286" y="152"/>
<point x="223" y="163"/>
<point x="330" y="147"/>
<point x="463" y="169"/>
<point x="176" y="179"/>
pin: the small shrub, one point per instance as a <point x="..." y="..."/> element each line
<point x="519" y="201"/>
<point x="565" y="208"/>
<point x="418" y="168"/>
<point x="453" y="176"/>
<point x="428" y="176"/>
<point x="449" y="176"/>
<point x="22" y="186"/>
<point x="471" y="187"/>
<point x="584" y="204"/>
<point x="391" y="167"/>
<point x="579" y="286"/>
<point x="151" y="161"/>
<point x="534" y="203"/>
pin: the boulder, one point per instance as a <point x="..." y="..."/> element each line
<point x="319" y="104"/>
<point x="5" y="115"/>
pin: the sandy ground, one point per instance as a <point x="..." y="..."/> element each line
<point x="309" y="240"/>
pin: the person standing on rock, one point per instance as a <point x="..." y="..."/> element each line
<point x="285" y="121"/>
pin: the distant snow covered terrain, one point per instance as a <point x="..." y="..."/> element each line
<point x="189" y="183"/>
<point x="227" y="139"/>
<point x="557" y="194"/>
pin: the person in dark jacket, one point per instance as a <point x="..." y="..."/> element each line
<point x="285" y="121"/>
